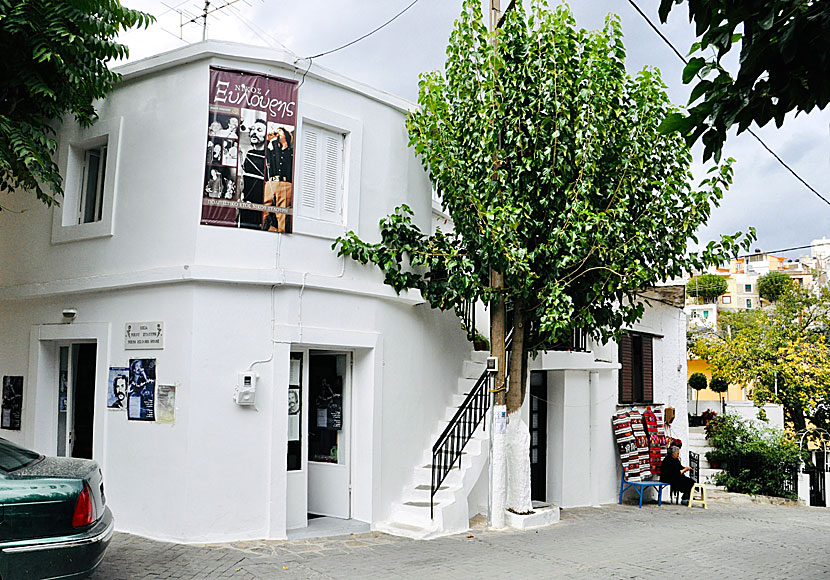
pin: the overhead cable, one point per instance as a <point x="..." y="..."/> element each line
<point x="750" y="131"/>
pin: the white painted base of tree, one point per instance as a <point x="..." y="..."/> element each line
<point x="542" y="516"/>
<point x="518" y="465"/>
<point x="498" y="485"/>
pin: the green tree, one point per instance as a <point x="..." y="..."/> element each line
<point x="773" y="285"/>
<point x="784" y="59"/>
<point x="719" y="385"/>
<point x="55" y="55"/>
<point x="697" y="382"/>
<point x="780" y="354"/>
<point x="547" y="156"/>
<point x="706" y="286"/>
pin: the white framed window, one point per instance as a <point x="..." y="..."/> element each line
<point x="327" y="173"/>
<point x="88" y="161"/>
<point x="749" y="302"/>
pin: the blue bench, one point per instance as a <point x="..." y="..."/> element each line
<point x="640" y="486"/>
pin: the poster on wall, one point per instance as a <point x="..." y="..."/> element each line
<point x="12" y="402"/>
<point x="166" y="404"/>
<point x="293" y="414"/>
<point x="142" y="390"/>
<point x="119" y="378"/>
<point x="249" y="151"/>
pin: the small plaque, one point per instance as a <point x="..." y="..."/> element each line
<point x="144" y="335"/>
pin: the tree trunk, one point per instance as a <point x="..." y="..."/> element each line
<point x="518" y="434"/>
<point x="498" y="486"/>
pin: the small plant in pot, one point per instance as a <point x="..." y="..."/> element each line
<point x="707" y="416"/>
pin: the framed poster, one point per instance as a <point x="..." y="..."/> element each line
<point x="119" y="378"/>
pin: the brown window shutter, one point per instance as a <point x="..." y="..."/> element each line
<point x="648" y="370"/>
<point x="626" y="382"/>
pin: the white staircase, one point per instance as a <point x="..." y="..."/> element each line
<point x="410" y="517"/>
<point x="700" y="445"/>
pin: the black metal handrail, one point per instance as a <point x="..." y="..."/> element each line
<point x="467" y="313"/>
<point x="447" y="449"/>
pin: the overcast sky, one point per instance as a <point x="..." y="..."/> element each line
<point x="764" y="194"/>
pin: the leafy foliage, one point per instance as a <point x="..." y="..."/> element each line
<point x="698" y="381"/>
<point x="780" y="353"/>
<point x="757" y="460"/>
<point x="547" y="156"/>
<point x="773" y="285"/>
<point x="55" y="55"/>
<point x="785" y="56"/>
<point x="719" y="385"/>
<point x="706" y="286"/>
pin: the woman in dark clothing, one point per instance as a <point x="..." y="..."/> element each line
<point x="671" y="471"/>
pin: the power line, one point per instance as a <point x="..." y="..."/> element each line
<point x="750" y="131"/>
<point x="368" y="34"/>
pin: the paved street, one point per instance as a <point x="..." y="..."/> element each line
<point x="735" y="541"/>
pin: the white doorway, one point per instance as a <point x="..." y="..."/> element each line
<point x="75" y="410"/>
<point x="328" y="421"/>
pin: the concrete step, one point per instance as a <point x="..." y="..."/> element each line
<point x="479" y="356"/>
<point x="471" y="369"/>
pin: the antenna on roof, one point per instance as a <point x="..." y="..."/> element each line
<point x="206" y="11"/>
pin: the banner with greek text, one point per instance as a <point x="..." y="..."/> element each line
<point x="249" y="165"/>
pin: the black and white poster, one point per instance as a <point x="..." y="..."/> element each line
<point x="142" y="393"/>
<point x="119" y="378"/>
<point x="12" y="402"/>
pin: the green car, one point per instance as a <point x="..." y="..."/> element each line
<point x="53" y="519"/>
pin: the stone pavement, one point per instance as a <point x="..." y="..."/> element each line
<point x="728" y="540"/>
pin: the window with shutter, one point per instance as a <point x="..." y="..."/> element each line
<point x="636" y="375"/>
<point x="321" y="191"/>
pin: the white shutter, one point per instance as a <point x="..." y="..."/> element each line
<point x="321" y="192"/>
<point x="308" y="194"/>
<point x="332" y="178"/>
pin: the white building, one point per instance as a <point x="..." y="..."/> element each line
<point x="224" y="311"/>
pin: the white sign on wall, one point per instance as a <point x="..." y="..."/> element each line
<point x="144" y="335"/>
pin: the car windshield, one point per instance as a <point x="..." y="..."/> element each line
<point x="13" y="457"/>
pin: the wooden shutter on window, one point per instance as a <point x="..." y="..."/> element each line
<point x="626" y="381"/>
<point x="648" y="370"/>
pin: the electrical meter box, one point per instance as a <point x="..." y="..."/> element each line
<point x="245" y="391"/>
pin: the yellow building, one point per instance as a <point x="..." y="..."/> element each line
<point x="735" y="392"/>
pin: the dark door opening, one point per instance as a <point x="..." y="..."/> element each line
<point x="83" y="399"/>
<point x="538" y="435"/>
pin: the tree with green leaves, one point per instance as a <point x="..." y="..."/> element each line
<point x="773" y="285"/>
<point x="565" y="198"/>
<point x="706" y="286"/>
<point x="784" y="59"/>
<point x="781" y="354"/>
<point x="55" y="56"/>
<point x="719" y="385"/>
<point x="697" y="382"/>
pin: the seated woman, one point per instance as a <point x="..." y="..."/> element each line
<point x="671" y="471"/>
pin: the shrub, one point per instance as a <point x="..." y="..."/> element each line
<point x="773" y="285"/>
<point x="757" y="460"/>
<point x="706" y="286"/>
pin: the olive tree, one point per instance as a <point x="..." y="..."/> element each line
<point x="773" y="285"/>
<point x="566" y="199"/>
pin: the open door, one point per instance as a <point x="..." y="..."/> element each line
<point x="76" y="399"/>
<point x="329" y="434"/>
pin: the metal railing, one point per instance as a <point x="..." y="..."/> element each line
<point x="467" y="313"/>
<point x="447" y="450"/>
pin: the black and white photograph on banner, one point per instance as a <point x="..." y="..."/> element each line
<point x="12" y="402"/>
<point x="119" y="378"/>
<point x="166" y="404"/>
<point x="142" y="390"/>
<point x="252" y="144"/>
<point x="223" y="124"/>
<point x="220" y="182"/>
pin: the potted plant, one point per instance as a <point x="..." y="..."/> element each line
<point x="697" y="382"/>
